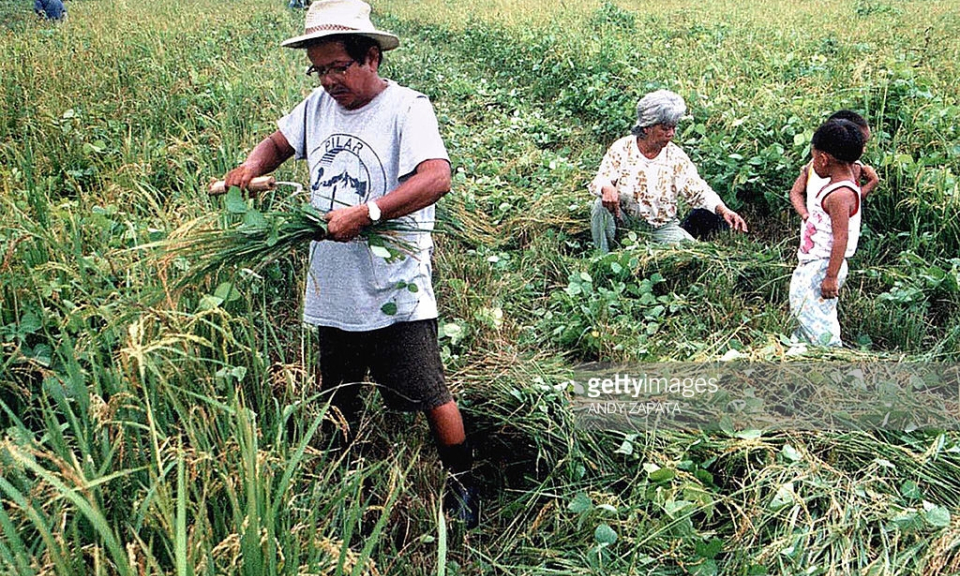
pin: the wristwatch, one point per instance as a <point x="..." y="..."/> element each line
<point x="374" y="211"/>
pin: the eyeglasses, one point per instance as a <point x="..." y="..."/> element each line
<point x="337" y="70"/>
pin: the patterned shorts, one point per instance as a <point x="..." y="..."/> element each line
<point x="816" y="316"/>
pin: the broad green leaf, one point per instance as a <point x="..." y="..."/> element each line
<point x="906" y="521"/>
<point x="710" y="548"/>
<point x="910" y="490"/>
<point x="254" y="220"/>
<point x="54" y="387"/>
<point x="604" y="534"/>
<point x="662" y="475"/>
<point x="29" y="323"/>
<point x="226" y="292"/>
<point x="234" y="201"/>
<point x="273" y="238"/>
<point x="791" y="453"/>
<point x="451" y="330"/>
<point x="625" y="448"/>
<point x="209" y="302"/>
<point x="706" y="568"/>
<point x="390" y="308"/>
<point x="675" y="508"/>
<point x="783" y="498"/>
<point x="726" y="424"/>
<point x="581" y="503"/>
<point x="936" y="515"/>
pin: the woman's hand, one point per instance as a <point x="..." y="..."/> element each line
<point x="611" y="200"/>
<point x="732" y="218"/>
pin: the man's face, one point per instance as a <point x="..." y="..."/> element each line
<point x="352" y="84"/>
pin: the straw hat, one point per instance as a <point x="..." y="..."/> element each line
<point x="330" y="17"/>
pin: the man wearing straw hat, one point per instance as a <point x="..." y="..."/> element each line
<point x="374" y="153"/>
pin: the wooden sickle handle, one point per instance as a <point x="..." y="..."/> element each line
<point x="258" y="184"/>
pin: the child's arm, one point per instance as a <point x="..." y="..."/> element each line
<point x="798" y="194"/>
<point x="868" y="180"/>
<point x="838" y="205"/>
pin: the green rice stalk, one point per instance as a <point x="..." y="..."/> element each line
<point x="259" y="238"/>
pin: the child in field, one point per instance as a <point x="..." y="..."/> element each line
<point x="830" y="232"/>
<point x="808" y="182"/>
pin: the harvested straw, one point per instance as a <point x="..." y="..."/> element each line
<point x="254" y="238"/>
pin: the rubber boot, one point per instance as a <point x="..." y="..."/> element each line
<point x="462" y="500"/>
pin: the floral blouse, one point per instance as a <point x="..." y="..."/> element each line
<point x="649" y="188"/>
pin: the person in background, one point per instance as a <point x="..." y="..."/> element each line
<point x="374" y="153"/>
<point x="643" y="176"/>
<point x="50" y="9"/>
<point x="829" y="234"/>
<point x="809" y="183"/>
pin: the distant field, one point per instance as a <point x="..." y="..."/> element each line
<point x="151" y="430"/>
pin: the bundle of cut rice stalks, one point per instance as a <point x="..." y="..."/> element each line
<point x="244" y="237"/>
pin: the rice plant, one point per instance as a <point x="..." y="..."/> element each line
<point x="257" y="238"/>
<point x="186" y="434"/>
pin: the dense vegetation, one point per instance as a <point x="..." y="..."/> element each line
<point x="147" y="430"/>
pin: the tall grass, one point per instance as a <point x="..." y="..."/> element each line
<point x="149" y="431"/>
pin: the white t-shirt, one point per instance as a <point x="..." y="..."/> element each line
<point x="356" y="156"/>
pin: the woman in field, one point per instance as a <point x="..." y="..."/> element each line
<point x="642" y="176"/>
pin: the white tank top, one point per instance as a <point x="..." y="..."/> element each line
<point x="816" y="234"/>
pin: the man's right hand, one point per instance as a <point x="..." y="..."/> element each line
<point x="610" y="199"/>
<point x="239" y="177"/>
<point x="270" y="153"/>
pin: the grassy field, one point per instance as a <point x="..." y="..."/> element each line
<point x="148" y="430"/>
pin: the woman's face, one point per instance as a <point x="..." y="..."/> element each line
<point x="660" y="135"/>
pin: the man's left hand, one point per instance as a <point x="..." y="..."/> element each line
<point x="345" y="224"/>
<point x="733" y="219"/>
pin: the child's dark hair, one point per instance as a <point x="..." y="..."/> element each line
<point x="851" y="116"/>
<point x="841" y="139"/>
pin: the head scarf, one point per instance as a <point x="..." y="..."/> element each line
<point x="660" y="107"/>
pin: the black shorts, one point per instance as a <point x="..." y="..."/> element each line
<point x="403" y="359"/>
